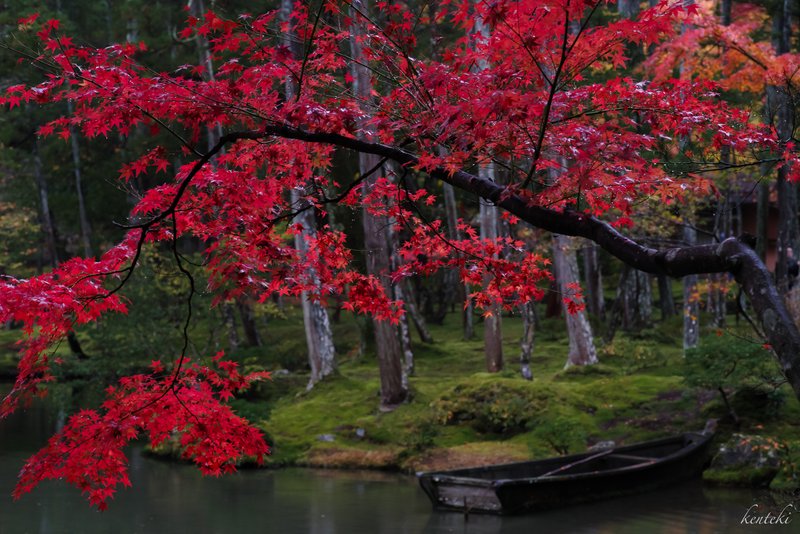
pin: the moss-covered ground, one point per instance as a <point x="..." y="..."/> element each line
<point x="459" y="415"/>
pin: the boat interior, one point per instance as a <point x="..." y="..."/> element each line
<point x="602" y="460"/>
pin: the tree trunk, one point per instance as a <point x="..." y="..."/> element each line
<point x="376" y="241"/>
<point x="626" y="294"/>
<point x="417" y="318"/>
<point x="319" y="335"/>
<point x="492" y="324"/>
<point x="248" y="322"/>
<point x="644" y="300"/>
<point x="581" y="341"/>
<point x="230" y="324"/>
<point x="691" y="309"/>
<point x="666" y="302"/>
<point x="528" y="312"/>
<point x="405" y="338"/>
<point x="787" y="192"/>
<point x="86" y="230"/>
<point x="595" y="301"/>
<point x="725" y="12"/>
<point x="48" y="226"/>
<point x="628" y="9"/>
<point x="762" y="219"/>
<point x="460" y="290"/>
<point x="399" y="289"/>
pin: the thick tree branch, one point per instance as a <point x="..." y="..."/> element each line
<point x="732" y="255"/>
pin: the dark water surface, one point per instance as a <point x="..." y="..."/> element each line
<point x="171" y="498"/>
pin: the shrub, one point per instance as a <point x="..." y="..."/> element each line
<point x="726" y="362"/>
<point x="562" y="434"/>
<point x="500" y="406"/>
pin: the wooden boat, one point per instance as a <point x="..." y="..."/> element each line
<point x="554" y="482"/>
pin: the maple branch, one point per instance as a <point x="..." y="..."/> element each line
<point x="537" y="151"/>
<point x="307" y="53"/>
<point x="732" y="255"/>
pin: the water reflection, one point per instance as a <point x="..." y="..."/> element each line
<point x="678" y="510"/>
<point x="172" y="498"/>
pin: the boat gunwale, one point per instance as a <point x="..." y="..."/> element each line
<point x="438" y="477"/>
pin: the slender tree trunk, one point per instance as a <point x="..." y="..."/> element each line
<point x="691" y="309"/>
<point x="229" y="318"/>
<point x="48" y="226"/>
<point x="581" y="340"/>
<point x="376" y="240"/>
<point x="492" y="324"/>
<point x="248" y="322"/>
<point x="595" y="301"/>
<point x="762" y="219"/>
<point x="86" y="230"/>
<point x="636" y="299"/>
<point x="528" y="312"/>
<point x="319" y="334"/>
<point x="460" y="290"/>
<point x="627" y="295"/>
<point x="628" y="9"/>
<point x="405" y="338"/>
<point x="615" y="315"/>
<point x="725" y="12"/>
<point x="644" y="300"/>
<point x="416" y="316"/>
<point x="399" y="288"/>
<point x="666" y="301"/>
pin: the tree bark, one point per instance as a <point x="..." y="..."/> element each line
<point x="644" y="300"/>
<point x="414" y="314"/>
<point x="492" y="323"/>
<point x="595" y="301"/>
<point x="528" y="312"/>
<point x="230" y="323"/>
<point x="581" y="340"/>
<point x="376" y="241"/>
<point x="787" y="192"/>
<point x="83" y="218"/>
<point x="628" y="9"/>
<point x="316" y="322"/>
<point x="248" y="323"/>
<point x="725" y="12"/>
<point x="691" y="308"/>
<point x="666" y="302"/>
<point x="48" y="226"/>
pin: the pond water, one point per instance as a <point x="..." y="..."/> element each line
<point x="173" y="498"/>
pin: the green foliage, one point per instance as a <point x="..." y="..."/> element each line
<point x="759" y="403"/>
<point x="634" y="355"/>
<point x="729" y="361"/>
<point x="421" y="436"/>
<point x="563" y="434"/>
<point x="500" y="406"/>
<point x="153" y="327"/>
<point x="20" y="231"/>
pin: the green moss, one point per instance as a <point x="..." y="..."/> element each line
<point x="460" y="415"/>
<point x="741" y="476"/>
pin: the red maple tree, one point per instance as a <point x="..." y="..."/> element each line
<point x="544" y="99"/>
